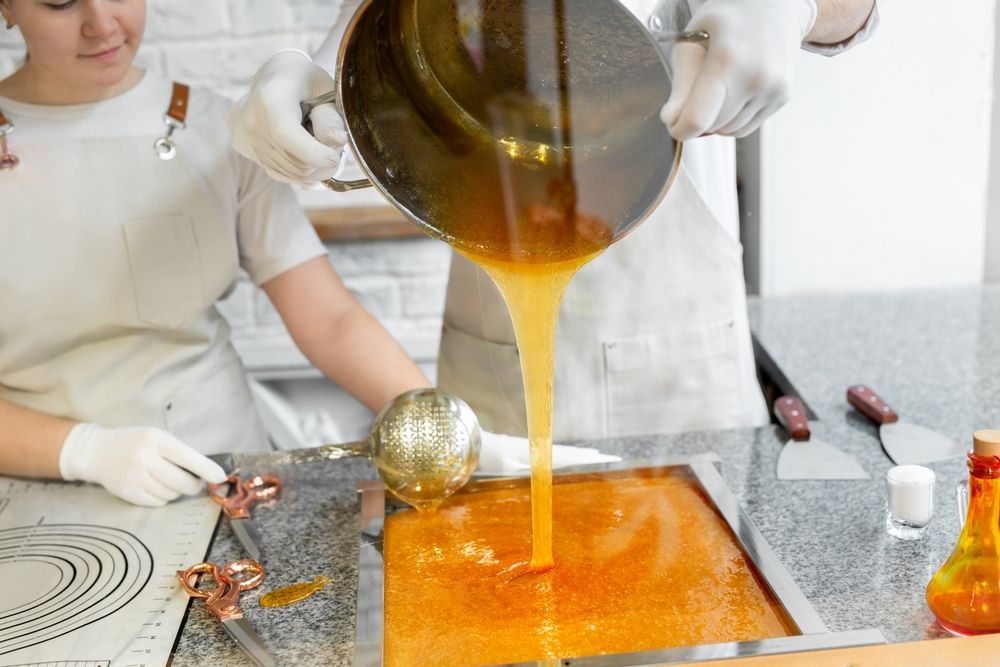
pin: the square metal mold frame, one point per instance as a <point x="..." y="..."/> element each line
<point x="376" y="505"/>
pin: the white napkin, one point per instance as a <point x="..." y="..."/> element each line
<point x="507" y="454"/>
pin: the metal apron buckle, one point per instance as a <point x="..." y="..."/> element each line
<point x="164" y="147"/>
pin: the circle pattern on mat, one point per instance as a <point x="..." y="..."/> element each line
<point x="60" y="577"/>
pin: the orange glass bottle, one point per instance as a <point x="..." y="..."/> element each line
<point x="964" y="595"/>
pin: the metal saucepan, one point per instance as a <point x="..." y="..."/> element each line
<point x="473" y="116"/>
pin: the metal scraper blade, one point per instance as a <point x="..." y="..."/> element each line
<point x="907" y="443"/>
<point x="815" y="459"/>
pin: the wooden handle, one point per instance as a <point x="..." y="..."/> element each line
<point x="871" y="404"/>
<point x="791" y="415"/>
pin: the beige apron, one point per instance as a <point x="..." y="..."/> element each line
<point x="110" y="263"/>
<point x="653" y="335"/>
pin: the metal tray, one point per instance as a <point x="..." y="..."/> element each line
<point x="376" y="505"/>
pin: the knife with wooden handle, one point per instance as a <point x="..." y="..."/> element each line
<point x="903" y="442"/>
<point x="805" y="456"/>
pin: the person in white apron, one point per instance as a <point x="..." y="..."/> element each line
<point x="125" y="218"/>
<point x="653" y="335"/>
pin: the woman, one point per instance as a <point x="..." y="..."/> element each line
<point x="115" y="365"/>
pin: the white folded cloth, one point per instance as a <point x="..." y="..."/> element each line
<point x="507" y="454"/>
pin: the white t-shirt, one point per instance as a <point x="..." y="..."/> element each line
<point x="271" y="229"/>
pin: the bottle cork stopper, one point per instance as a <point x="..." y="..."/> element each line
<point x="986" y="442"/>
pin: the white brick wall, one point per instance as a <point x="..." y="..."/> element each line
<point x="218" y="44"/>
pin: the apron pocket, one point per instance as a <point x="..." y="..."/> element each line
<point x="166" y="269"/>
<point x="684" y="380"/>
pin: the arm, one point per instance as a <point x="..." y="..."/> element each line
<point x="21" y="426"/>
<point x="340" y="337"/>
<point x="326" y="55"/>
<point x="839" y="20"/>
<point x="145" y="466"/>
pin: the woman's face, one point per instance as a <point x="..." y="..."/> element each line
<point x="83" y="41"/>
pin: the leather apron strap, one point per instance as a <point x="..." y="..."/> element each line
<point x="179" y="102"/>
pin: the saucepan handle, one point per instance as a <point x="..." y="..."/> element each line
<point x="307" y="106"/>
<point x="672" y="37"/>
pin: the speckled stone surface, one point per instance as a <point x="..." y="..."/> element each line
<point x="934" y="356"/>
<point x="311" y="530"/>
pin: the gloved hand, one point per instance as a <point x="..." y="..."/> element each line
<point x="267" y="121"/>
<point x="140" y="465"/>
<point x="508" y="454"/>
<point x="735" y="81"/>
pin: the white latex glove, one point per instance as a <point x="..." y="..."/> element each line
<point x="508" y="454"/>
<point x="140" y="465"/>
<point x="267" y="121"/>
<point x="742" y="75"/>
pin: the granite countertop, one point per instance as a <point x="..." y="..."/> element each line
<point x="934" y="355"/>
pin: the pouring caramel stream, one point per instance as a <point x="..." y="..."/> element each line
<point x="533" y="293"/>
<point x="535" y="146"/>
<point x="563" y="240"/>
